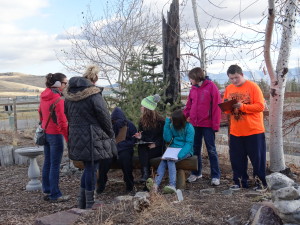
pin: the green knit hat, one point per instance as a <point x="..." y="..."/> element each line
<point x="151" y="101"/>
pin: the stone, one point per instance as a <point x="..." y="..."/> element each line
<point x="227" y="192"/>
<point x="286" y="193"/>
<point x="124" y="198"/>
<point x="263" y="215"/>
<point x="277" y="180"/>
<point x="60" y="218"/>
<point x="78" y="211"/>
<point x="208" y="191"/>
<point x="141" y="201"/>
<point x="288" y="207"/>
<point x="235" y="220"/>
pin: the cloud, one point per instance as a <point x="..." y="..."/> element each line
<point x="12" y="10"/>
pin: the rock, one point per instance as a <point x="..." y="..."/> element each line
<point x="288" y="207"/>
<point x="235" y="220"/>
<point x="207" y="191"/>
<point x="60" y="218"/>
<point x="287" y="193"/>
<point x="227" y="192"/>
<point x="263" y="215"/>
<point x="277" y="180"/>
<point x="124" y="198"/>
<point x="141" y="201"/>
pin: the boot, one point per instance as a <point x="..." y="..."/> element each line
<point x="81" y="199"/>
<point x="145" y="174"/>
<point x="89" y="196"/>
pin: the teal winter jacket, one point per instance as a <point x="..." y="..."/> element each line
<point x="181" y="138"/>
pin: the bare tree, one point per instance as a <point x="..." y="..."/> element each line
<point x="126" y="28"/>
<point x="279" y="77"/>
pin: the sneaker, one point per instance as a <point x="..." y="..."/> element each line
<point x="235" y="187"/>
<point x="169" y="189"/>
<point x="193" y="178"/>
<point x="215" y="181"/>
<point x="260" y="188"/>
<point x="63" y="198"/>
<point x="151" y="185"/>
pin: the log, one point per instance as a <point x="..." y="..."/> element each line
<point x="6" y="155"/>
<point x="190" y="163"/>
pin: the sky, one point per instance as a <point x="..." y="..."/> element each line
<point x="30" y="29"/>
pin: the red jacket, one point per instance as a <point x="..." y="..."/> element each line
<point x="48" y="97"/>
<point x="202" y="106"/>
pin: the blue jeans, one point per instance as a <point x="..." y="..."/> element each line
<point x="88" y="178"/>
<point x="53" y="151"/>
<point x="170" y="164"/>
<point x="209" y="138"/>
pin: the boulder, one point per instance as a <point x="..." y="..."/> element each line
<point x="277" y="180"/>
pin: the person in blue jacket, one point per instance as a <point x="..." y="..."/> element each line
<point x="125" y="151"/>
<point x="180" y="134"/>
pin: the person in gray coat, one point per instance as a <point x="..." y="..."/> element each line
<point x="91" y="136"/>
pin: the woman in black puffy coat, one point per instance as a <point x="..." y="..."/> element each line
<point x="91" y="136"/>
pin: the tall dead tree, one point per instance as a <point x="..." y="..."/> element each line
<point x="171" y="53"/>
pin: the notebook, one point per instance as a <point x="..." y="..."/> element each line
<point x="171" y="154"/>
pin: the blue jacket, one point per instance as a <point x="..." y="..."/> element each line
<point x="181" y="139"/>
<point x="118" y="121"/>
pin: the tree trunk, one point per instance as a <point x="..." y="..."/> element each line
<point x="171" y="53"/>
<point x="203" y="60"/>
<point x="278" y="80"/>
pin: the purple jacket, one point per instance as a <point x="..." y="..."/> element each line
<point x="202" y="106"/>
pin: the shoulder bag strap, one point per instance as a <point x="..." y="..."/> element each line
<point x="51" y="111"/>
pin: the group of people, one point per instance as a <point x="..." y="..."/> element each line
<point x="98" y="138"/>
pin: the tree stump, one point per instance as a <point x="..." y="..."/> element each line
<point x="6" y="155"/>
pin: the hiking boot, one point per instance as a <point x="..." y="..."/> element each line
<point x="193" y="178"/>
<point x="63" y="198"/>
<point x="169" y="189"/>
<point x="215" y="181"/>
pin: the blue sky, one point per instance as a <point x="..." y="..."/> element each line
<point x="29" y="30"/>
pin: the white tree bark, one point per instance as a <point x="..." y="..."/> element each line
<point x="278" y="79"/>
<point x="203" y="60"/>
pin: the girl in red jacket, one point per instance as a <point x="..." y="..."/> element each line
<point x="203" y="112"/>
<point x="56" y="131"/>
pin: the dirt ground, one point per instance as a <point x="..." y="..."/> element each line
<point x="18" y="206"/>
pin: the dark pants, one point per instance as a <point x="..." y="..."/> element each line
<point x="240" y="148"/>
<point x="209" y="138"/>
<point x="125" y="162"/>
<point x="88" y="178"/>
<point x="145" y="154"/>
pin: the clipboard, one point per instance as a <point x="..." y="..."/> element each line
<point x="227" y="106"/>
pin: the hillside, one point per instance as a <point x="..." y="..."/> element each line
<point x="18" y="84"/>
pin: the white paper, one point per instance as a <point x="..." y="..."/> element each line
<point x="171" y="154"/>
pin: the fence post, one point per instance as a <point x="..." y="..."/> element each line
<point x="15" y="114"/>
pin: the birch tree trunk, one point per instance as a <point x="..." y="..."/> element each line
<point x="278" y="79"/>
<point x="203" y="60"/>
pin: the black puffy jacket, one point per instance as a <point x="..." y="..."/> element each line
<point x="91" y="136"/>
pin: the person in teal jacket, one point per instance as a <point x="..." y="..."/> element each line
<point x="180" y="134"/>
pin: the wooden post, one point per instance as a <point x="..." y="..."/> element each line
<point x="180" y="184"/>
<point x="15" y="115"/>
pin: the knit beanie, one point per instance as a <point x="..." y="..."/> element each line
<point x="151" y="101"/>
<point x="91" y="73"/>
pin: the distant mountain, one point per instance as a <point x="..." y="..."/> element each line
<point x="251" y="75"/>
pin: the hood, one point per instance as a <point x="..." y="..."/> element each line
<point x="49" y="93"/>
<point x="118" y="119"/>
<point x="118" y="114"/>
<point x="205" y="83"/>
<point x="80" y="88"/>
